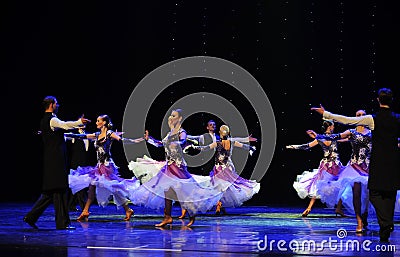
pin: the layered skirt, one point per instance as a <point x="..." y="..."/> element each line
<point x="236" y="190"/>
<point x="332" y="191"/>
<point x="223" y="181"/>
<point x="306" y="183"/>
<point x="175" y="183"/>
<point x="107" y="180"/>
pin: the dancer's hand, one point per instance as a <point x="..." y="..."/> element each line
<point x="194" y="141"/>
<point x="312" y="133"/>
<point x="252" y="139"/>
<point x="146" y="135"/>
<point x="319" y="109"/>
<point x="119" y="133"/>
<point x="186" y="149"/>
<point x="84" y="120"/>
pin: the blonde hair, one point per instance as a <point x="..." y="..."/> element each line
<point x="225" y="129"/>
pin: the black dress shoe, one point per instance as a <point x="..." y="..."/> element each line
<point x="384" y="240"/>
<point x="384" y="234"/>
<point x="30" y="223"/>
<point x="66" y="228"/>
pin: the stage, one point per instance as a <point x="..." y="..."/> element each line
<point x="243" y="231"/>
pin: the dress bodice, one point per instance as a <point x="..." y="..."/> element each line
<point x="103" y="147"/>
<point x="222" y="155"/>
<point x="330" y="152"/>
<point x="173" y="148"/>
<point x="361" y="145"/>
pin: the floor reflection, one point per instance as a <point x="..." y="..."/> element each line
<point x="244" y="231"/>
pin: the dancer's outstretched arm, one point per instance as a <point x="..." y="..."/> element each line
<point x="305" y="146"/>
<point x="251" y="148"/>
<point x="201" y="148"/>
<point x="149" y="139"/>
<point x="75" y="136"/>
<point x="131" y="140"/>
<point x="80" y="136"/>
<point x="366" y="120"/>
<point x="247" y="139"/>
<point x="195" y="139"/>
<point x="340" y="137"/>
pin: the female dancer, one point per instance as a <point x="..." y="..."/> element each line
<point x="329" y="169"/>
<point x="103" y="180"/>
<point x="351" y="186"/>
<point x="173" y="182"/>
<point x="236" y="190"/>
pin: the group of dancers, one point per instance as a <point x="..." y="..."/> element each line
<point x="158" y="184"/>
<point x="371" y="175"/>
<point x="332" y="182"/>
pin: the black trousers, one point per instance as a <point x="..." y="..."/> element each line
<point x="59" y="200"/>
<point x="384" y="203"/>
<point x="79" y="198"/>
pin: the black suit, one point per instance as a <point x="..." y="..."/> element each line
<point x="79" y="156"/>
<point x="208" y="167"/>
<point x="384" y="168"/>
<point x="55" y="176"/>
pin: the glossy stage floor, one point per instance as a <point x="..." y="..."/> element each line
<point x="243" y="231"/>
